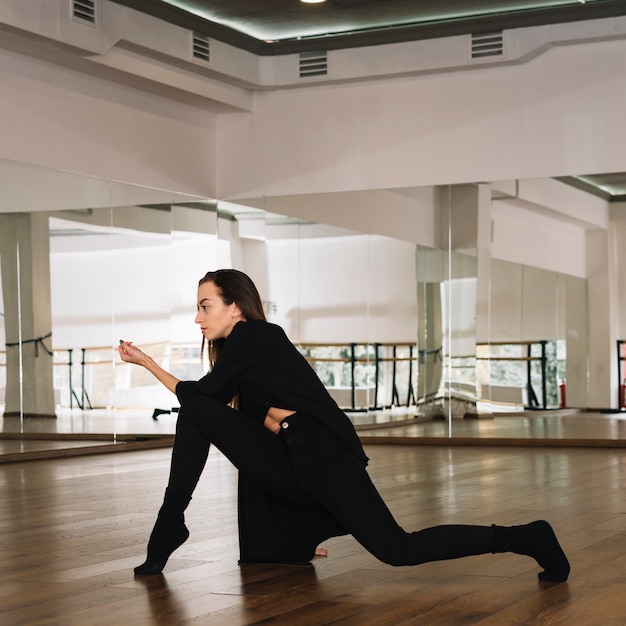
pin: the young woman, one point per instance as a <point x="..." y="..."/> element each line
<point x="302" y="470"/>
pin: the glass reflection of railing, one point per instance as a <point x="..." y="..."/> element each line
<point x="359" y="376"/>
<point x="459" y="380"/>
<point x="523" y="365"/>
<point x="365" y="376"/>
<point x="89" y="378"/>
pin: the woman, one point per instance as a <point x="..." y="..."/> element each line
<point x="302" y="476"/>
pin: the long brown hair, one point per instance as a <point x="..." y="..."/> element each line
<point x="233" y="286"/>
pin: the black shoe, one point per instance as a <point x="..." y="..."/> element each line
<point x="538" y="541"/>
<point x="160" y="551"/>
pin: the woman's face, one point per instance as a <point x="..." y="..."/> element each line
<point x="215" y="318"/>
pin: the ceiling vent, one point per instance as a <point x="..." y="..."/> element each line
<point x="84" y="10"/>
<point x="487" y="45"/>
<point x="313" y="64"/>
<point x="201" y="47"/>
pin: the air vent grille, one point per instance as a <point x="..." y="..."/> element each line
<point x="84" y="10"/>
<point x="201" y="48"/>
<point x="313" y="64"/>
<point x="487" y="45"/>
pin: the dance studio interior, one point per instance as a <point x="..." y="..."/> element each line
<point x="431" y="199"/>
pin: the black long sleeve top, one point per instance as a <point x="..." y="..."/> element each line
<point x="260" y="365"/>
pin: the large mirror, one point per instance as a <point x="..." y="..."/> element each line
<point x="403" y="335"/>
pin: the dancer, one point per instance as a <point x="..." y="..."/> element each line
<point x="302" y="469"/>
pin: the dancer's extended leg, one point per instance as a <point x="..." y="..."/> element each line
<point x="340" y="483"/>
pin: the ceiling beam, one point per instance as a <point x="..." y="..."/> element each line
<point x="378" y="36"/>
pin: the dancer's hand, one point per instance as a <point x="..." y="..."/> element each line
<point x="131" y="354"/>
<point x="323" y="552"/>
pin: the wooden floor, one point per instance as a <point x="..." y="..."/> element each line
<point x="73" y="528"/>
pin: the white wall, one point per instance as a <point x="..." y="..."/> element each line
<point x="60" y="119"/>
<point x="147" y="293"/>
<point x="526" y="303"/>
<point x="141" y="294"/>
<point x="532" y="239"/>
<point x="353" y="288"/>
<point x="558" y="114"/>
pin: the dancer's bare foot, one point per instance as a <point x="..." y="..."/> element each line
<point x="321" y="552"/>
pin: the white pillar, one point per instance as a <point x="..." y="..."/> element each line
<point x="464" y="236"/>
<point x="603" y="318"/>
<point x="577" y="341"/>
<point x="25" y="265"/>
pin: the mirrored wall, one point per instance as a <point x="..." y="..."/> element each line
<point x="398" y="332"/>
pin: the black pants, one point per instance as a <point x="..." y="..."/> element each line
<point x="308" y="462"/>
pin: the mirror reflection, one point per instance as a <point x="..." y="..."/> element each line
<point x="402" y="334"/>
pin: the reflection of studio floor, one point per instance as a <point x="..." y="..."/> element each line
<point x="97" y="431"/>
<point x="95" y="421"/>
<point x="555" y="428"/>
<point x="76" y="432"/>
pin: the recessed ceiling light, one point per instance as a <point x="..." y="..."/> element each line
<point x="312" y="1"/>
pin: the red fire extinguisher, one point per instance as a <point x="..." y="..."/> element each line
<point x="563" y="393"/>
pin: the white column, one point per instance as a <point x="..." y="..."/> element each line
<point x="25" y="265"/>
<point x="465" y="237"/>
<point x="577" y="341"/>
<point x="603" y="318"/>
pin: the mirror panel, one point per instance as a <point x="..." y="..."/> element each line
<point x="109" y="268"/>
<point x="393" y="328"/>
